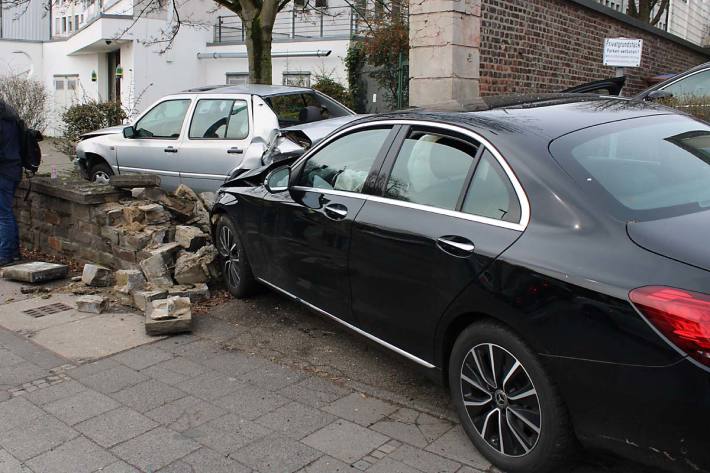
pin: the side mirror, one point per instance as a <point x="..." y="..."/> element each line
<point x="658" y="95"/>
<point x="277" y="180"/>
<point x="129" y="132"/>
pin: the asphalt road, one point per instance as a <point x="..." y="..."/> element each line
<point x="272" y="326"/>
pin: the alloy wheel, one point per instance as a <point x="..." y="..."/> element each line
<point x="102" y="177"/>
<point x="229" y="251"/>
<point x="501" y="400"/>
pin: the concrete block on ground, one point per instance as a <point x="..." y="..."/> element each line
<point x="142" y="298"/>
<point x="35" y="272"/>
<point x="167" y="316"/>
<point x="91" y="304"/>
<point x="97" y="276"/>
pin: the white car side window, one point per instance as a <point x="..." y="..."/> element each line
<point x="219" y="119"/>
<point x="164" y="120"/>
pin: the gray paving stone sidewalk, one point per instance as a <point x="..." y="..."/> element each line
<point x="184" y="404"/>
<point x="195" y="403"/>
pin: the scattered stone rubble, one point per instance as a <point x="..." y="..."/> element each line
<point x="91" y="304"/>
<point x="166" y="255"/>
<point x="97" y="276"/>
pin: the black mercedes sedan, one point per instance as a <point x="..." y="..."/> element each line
<point x="547" y="258"/>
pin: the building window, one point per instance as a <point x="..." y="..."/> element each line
<point x="64" y="24"/>
<point x="57" y="26"/>
<point x="237" y="78"/>
<point x="297" y="78"/>
<point x="76" y="22"/>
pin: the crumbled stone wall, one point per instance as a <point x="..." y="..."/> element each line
<point x="63" y="220"/>
<point x="164" y="236"/>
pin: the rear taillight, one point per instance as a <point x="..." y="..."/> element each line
<point x="682" y="316"/>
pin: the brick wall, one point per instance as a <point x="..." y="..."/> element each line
<point x="549" y="45"/>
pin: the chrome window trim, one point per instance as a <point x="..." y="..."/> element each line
<point x="683" y="78"/>
<point x="221" y="177"/>
<point x="385" y="344"/>
<point x="410" y="205"/>
<point x="520" y="192"/>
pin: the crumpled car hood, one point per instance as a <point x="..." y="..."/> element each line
<point x="112" y="130"/>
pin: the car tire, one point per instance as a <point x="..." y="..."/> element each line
<point x="100" y="173"/>
<point x="236" y="271"/>
<point x="512" y="412"/>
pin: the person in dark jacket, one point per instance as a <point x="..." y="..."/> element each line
<point x="10" y="176"/>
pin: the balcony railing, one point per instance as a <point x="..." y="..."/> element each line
<point x="298" y="25"/>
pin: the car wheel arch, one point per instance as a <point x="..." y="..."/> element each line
<point x="92" y="159"/>
<point x="453" y="324"/>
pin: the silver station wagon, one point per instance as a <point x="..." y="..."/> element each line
<point x="200" y="137"/>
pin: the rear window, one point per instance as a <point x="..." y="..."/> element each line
<point x="295" y="109"/>
<point x="644" y="168"/>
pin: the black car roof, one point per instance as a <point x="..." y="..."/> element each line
<point x="547" y="116"/>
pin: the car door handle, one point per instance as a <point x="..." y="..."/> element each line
<point x="235" y="150"/>
<point x="336" y="211"/>
<point x="456" y="245"/>
<point x="170" y="149"/>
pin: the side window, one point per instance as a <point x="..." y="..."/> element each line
<point x="344" y="163"/>
<point x="164" y="120"/>
<point x="295" y="109"/>
<point x="220" y="119"/>
<point x="491" y="194"/>
<point x="696" y="85"/>
<point x="431" y="169"/>
<point x="238" y="128"/>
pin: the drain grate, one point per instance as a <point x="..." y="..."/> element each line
<point x="46" y="310"/>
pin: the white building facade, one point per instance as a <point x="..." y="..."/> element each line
<point x="100" y="51"/>
<point x="688" y="19"/>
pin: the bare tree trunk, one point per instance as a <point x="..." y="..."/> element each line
<point x="258" y="41"/>
<point x="643" y="10"/>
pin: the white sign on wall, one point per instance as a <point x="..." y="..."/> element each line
<point x="622" y="52"/>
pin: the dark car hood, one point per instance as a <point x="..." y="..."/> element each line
<point x="683" y="238"/>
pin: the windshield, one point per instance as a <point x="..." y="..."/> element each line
<point x="298" y="108"/>
<point x="643" y="169"/>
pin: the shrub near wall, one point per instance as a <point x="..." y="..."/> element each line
<point x="549" y="45"/>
